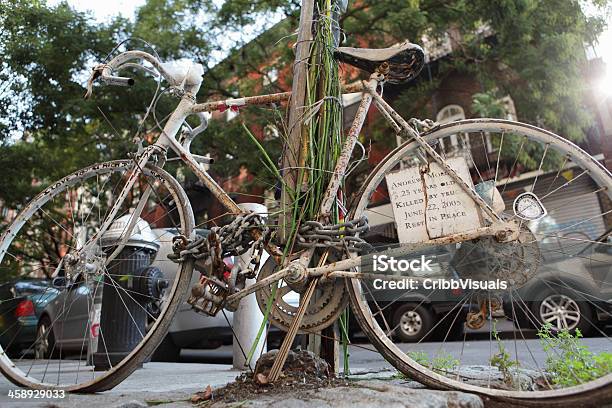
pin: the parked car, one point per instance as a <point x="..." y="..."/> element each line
<point x="571" y="289"/>
<point x="414" y="314"/>
<point x="21" y="304"/>
<point x="188" y="329"/>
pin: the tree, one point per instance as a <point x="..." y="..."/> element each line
<point x="48" y="130"/>
<point x="534" y="53"/>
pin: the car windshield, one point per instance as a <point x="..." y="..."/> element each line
<point x="559" y="240"/>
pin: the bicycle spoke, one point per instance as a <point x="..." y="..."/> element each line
<point x="526" y="160"/>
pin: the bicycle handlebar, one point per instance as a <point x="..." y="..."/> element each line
<point x="103" y="71"/>
<point x="116" y="80"/>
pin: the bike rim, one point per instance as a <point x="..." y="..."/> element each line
<point x="377" y="330"/>
<point x="83" y="198"/>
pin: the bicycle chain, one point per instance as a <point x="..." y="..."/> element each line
<point x="233" y="239"/>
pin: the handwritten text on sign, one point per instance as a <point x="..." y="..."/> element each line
<point x="432" y="204"/>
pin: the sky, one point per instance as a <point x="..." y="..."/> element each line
<point x="104" y="9"/>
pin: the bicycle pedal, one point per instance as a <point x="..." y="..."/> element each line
<point x="208" y="296"/>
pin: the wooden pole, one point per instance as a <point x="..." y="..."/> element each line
<point x="292" y="155"/>
<point x="293" y="159"/>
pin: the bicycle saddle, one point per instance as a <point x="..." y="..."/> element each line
<point x="405" y="60"/>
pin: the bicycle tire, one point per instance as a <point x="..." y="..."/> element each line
<point x="176" y="296"/>
<point x="593" y="393"/>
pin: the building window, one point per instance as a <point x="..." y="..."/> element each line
<point x="436" y="47"/>
<point x="452" y="113"/>
<point x="509" y="108"/>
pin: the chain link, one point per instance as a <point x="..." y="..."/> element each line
<point x="313" y="234"/>
<point x="233" y="239"/>
<point x="236" y="238"/>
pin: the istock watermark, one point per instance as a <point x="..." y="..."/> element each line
<point x="384" y="263"/>
<point x="431" y="275"/>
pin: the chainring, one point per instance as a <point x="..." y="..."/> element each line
<point x="328" y="302"/>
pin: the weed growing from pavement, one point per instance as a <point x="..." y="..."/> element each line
<point x="502" y="359"/>
<point x="568" y="361"/>
<point x="443" y="362"/>
<point x="420" y="357"/>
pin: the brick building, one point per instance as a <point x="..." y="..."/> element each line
<point x="450" y="101"/>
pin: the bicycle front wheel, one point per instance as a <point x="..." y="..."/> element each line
<point x="519" y="341"/>
<point x="79" y="321"/>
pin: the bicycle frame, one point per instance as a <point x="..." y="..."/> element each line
<point x="187" y="107"/>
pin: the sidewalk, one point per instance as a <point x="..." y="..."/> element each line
<point x="172" y="385"/>
<point x="154" y="382"/>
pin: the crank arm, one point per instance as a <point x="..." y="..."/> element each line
<point x="283" y="273"/>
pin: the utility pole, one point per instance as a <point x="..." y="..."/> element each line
<point x="293" y="161"/>
<point x="293" y="157"/>
<point x="290" y="163"/>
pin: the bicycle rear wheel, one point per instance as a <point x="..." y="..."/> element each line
<point x="98" y="320"/>
<point x="515" y="366"/>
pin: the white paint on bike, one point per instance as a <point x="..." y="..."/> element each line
<point x="427" y="203"/>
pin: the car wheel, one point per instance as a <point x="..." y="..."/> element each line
<point x="45" y="340"/>
<point x="412" y="322"/>
<point x="167" y="351"/>
<point x="562" y="310"/>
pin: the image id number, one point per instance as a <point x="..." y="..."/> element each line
<point x="36" y="394"/>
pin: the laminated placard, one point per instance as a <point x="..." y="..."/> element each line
<point x="428" y="203"/>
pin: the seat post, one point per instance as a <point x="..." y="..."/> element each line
<point x="349" y="144"/>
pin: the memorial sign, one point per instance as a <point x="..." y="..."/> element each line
<point x="428" y="203"/>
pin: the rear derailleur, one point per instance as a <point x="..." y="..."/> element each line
<point x="487" y="306"/>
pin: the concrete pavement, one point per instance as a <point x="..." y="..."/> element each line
<point x="172" y="384"/>
<point x="154" y="382"/>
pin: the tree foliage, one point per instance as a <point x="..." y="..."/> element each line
<point x="534" y="51"/>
